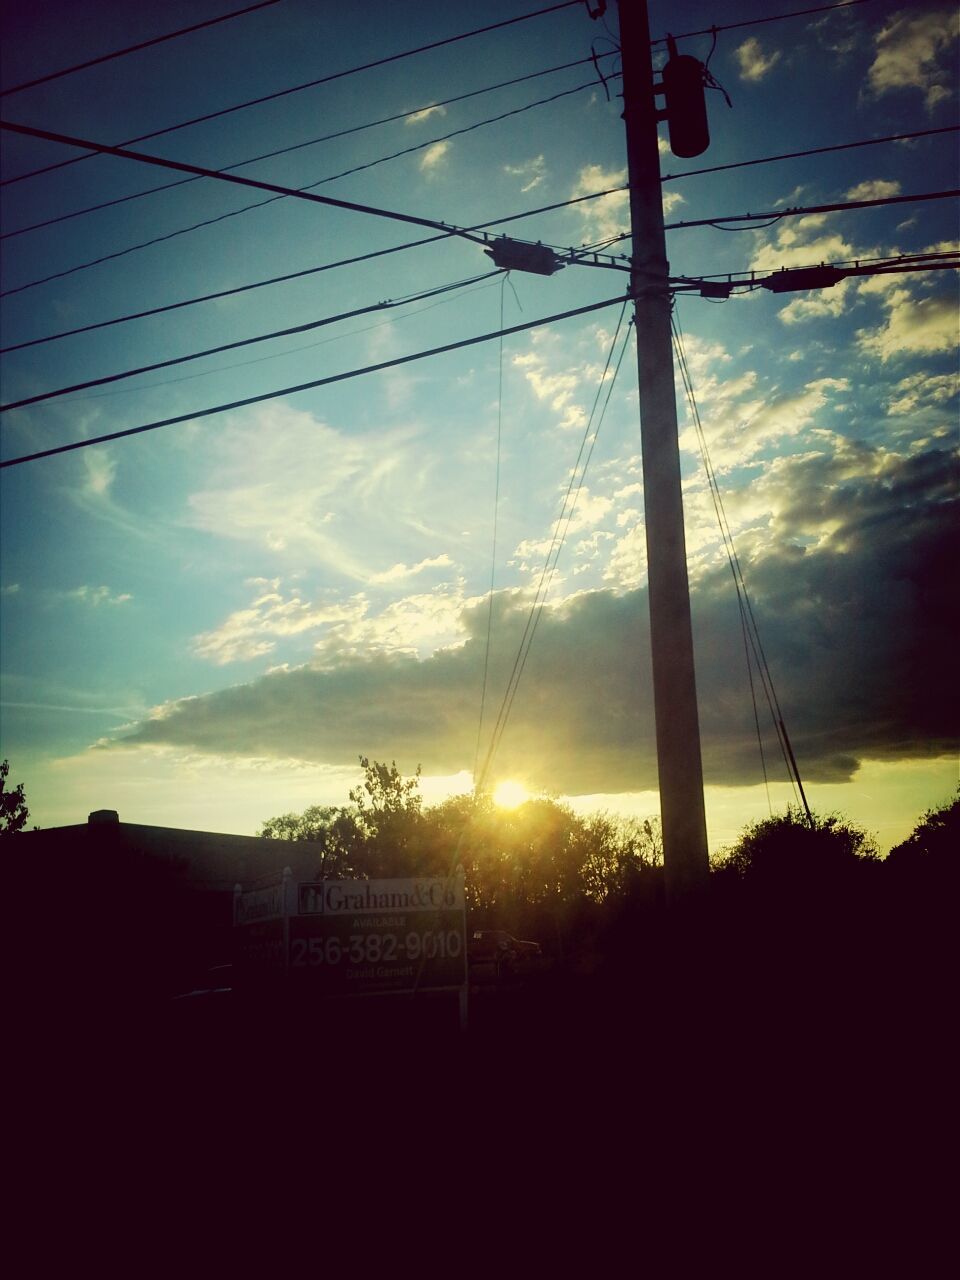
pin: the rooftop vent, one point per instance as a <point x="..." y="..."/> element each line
<point x="100" y="817"/>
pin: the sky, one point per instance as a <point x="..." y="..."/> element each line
<point x="206" y="625"/>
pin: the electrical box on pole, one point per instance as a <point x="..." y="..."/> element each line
<point x="684" y="88"/>
<point x="516" y="255"/>
<point x="790" y="278"/>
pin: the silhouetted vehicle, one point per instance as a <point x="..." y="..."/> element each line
<point x="502" y="950"/>
<point x="215" y="983"/>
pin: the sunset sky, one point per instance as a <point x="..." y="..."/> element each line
<point x="206" y="625"/>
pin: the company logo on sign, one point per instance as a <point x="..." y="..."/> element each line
<point x="343" y="897"/>
<point x="260" y="904"/>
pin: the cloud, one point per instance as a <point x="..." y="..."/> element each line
<point x="803" y="242"/>
<point x="292" y="489"/>
<point x="417" y="624"/>
<point x="922" y="391"/>
<point x="425" y="113"/>
<point x="100" y="469"/>
<point x="754" y="63"/>
<point x="10" y="590"/>
<point x="909" y="50"/>
<point x="434" y="155"/>
<point x="609" y="215"/>
<point x="742" y="429"/>
<point x="96" y="596"/>
<point x="557" y="389"/>
<point x="874" y="189"/>
<point x="401" y="572"/>
<point x="914" y="326"/>
<point x="851" y="585"/>
<point x="533" y="171"/>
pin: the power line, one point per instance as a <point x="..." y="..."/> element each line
<point x="493" y="552"/>
<point x="751" y="633"/>
<point x="795" y="211"/>
<point x="135" y="48"/>
<point x="411" y="314"/>
<point x="359" y="168"/>
<point x="317" y="382"/>
<point x="310" y="84"/>
<point x="748" y="281"/>
<point x="490" y="222"/>
<point x="813" y="151"/>
<point x="282" y="279"/>
<point x="181" y="167"/>
<point x="553" y="554"/>
<point x="328" y="137"/>
<point x="756" y="22"/>
<point x="246" y="342"/>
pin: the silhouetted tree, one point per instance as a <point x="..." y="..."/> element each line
<point x="389" y="814"/>
<point x="335" y="828"/>
<point x="13" y="805"/>
<point x="786" y="851"/>
<point x="933" y="847"/>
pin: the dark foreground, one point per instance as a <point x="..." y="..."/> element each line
<point x="800" y="1072"/>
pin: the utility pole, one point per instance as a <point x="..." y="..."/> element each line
<point x="685" y="855"/>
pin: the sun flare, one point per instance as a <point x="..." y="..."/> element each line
<point x="509" y="794"/>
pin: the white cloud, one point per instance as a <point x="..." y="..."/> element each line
<point x="10" y="590"/>
<point x="754" y="62"/>
<point x="352" y="625"/>
<point x="532" y="171"/>
<point x="100" y="469"/>
<point x="740" y="430"/>
<point x="609" y="215"/>
<point x="95" y="596"/>
<point x="400" y="572"/>
<point x="818" y="303"/>
<point x="253" y="632"/>
<point x="913" y="325"/>
<point x="426" y="113"/>
<point x="846" y="566"/>
<point x="557" y="389"/>
<point x="909" y="50"/>
<point x="922" y="390"/>
<point x="434" y="155"/>
<point x="284" y="482"/>
<point x="874" y="189"/>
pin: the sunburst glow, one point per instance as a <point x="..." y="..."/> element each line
<point x="509" y="794"/>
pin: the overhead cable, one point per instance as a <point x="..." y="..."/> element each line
<point x="310" y="84"/>
<point x="447" y="297"/>
<point x="812" y="151"/>
<point x="756" y="22"/>
<point x="310" y="186"/>
<point x="94" y="262"/>
<point x="748" y="621"/>
<point x="181" y="166"/>
<point x="795" y="211"/>
<point x="561" y="527"/>
<point x="246" y="342"/>
<point x="259" y="284"/>
<point x="493" y="551"/>
<point x="748" y="281"/>
<point x="327" y="137"/>
<point x="135" y="48"/>
<point x="316" y="382"/>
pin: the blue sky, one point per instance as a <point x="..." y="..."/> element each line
<point x="206" y="625"/>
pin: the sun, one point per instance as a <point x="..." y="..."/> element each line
<point x="510" y="795"/>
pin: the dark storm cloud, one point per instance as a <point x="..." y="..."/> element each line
<point x="853" y="590"/>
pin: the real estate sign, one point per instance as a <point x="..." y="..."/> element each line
<point x="345" y="937"/>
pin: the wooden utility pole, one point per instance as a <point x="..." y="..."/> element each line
<point x="685" y="856"/>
